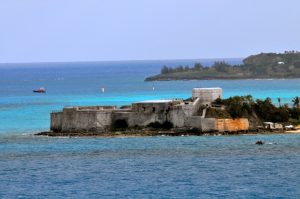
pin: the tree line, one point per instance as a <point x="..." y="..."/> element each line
<point x="245" y="106"/>
<point x="220" y="66"/>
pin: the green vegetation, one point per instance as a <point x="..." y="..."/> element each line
<point x="264" y="110"/>
<point x="264" y="65"/>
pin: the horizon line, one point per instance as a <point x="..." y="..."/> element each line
<point x="125" y="60"/>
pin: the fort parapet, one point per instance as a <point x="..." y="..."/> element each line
<point x="177" y="112"/>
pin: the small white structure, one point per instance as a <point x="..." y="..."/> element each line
<point x="207" y="95"/>
<point x="273" y="126"/>
<point x="280" y="63"/>
<point x="289" y="127"/>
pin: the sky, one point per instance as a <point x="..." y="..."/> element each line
<point x="101" y="30"/>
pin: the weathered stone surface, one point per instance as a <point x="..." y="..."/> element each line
<point x="79" y="119"/>
<point x="56" y="121"/>
<point x="207" y="95"/>
<point x="208" y="124"/>
<point x="231" y="125"/>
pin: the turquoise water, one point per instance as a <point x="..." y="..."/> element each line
<point x="67" y="84"/>
<point x="137" y="167"/>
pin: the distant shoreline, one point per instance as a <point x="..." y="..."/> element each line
<point x="263" y="66"/>
<point x="179" y="79"/>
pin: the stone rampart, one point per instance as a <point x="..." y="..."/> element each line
<point x="56" y="121"/>
<point x="74" y="119"/>
<point x="208" y="124"/>
<point x="177" y="117"/>
<point x="194" y="122"/>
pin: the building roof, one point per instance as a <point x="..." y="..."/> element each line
<point x="215" y="88"/>
<point x="156" y="101"/>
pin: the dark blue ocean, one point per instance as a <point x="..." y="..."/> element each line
<point x="141" y="167"/>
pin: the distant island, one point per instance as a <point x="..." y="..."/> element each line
<point x="261" y="66"/>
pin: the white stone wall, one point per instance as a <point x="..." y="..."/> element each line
<point x="191" y="108"/>
<point x="193" y="121"/>
<point x="56" y="121"/>
<point x="208" y="124"/>
<point x="103" y="120"/>
<point x="138" y="118"/>
<point x="177" y="117"/>
<point x="207" y="95"/>
<point x="85" y="121"/>
<point x="203" y="124"/>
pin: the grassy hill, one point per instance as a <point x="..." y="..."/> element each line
<point x="263" y="66"/>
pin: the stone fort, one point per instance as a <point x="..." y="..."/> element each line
<point x="180" y="113"/>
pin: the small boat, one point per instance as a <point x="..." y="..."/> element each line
<point x="40" y="90"/>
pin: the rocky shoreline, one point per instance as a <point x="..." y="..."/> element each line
<point x="148" y="133"/>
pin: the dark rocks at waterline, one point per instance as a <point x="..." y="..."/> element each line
<point x="259" y="142"/>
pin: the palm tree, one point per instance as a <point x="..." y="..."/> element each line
<point x="296" y="102"/>
<point x="279" y="100"/>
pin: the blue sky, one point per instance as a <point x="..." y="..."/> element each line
<point x="96" y="30"/>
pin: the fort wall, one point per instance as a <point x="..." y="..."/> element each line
<point x="178" y="112"/>
<point x="76" y="119"/>
<point x="56" y="121"/>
